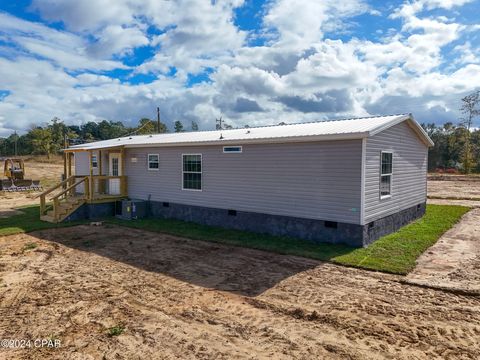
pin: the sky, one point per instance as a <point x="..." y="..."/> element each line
<point x="247" y="61"/>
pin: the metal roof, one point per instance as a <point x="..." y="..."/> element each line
<point x="301" y="132"/>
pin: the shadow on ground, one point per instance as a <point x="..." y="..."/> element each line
<point x="239" y="270"/>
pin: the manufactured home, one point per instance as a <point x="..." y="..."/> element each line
<point x="344" y="181"/>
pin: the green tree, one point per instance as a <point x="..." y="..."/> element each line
<point x="470" y="109"/>
<point x="89" y="130"/>
<point x="178" y="126"/>
<point x="42" y="140"/>
<point x="111" y="130"/>
<point x="146" y="126"/>
<point x="194" y="126"/>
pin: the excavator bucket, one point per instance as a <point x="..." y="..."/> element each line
<point x="14" y="171"/>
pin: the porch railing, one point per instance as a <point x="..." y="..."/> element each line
<point x="87" y="188"/>
<point x="43" y="196"/>
<point x="105" y="187"/>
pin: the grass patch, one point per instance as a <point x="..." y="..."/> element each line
<point x="395" y="253"/>
<point x="115" y="331"/>
<point x="29" y="246"/>
<point x="28" y="221"/>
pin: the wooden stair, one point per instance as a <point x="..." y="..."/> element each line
<point x="64" y="209"/>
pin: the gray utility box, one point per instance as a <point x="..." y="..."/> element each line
<point x="133" y="209"/>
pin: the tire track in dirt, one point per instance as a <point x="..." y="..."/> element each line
<point x="186" y="299"/>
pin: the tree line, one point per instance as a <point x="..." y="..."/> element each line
<point x="457" y="146"/>
<point x="51" y="138"/>
<point x="449" y="154"/>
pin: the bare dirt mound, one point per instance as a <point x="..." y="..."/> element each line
<point x="178" y="298"/>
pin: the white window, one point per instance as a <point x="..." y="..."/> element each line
<point x="232" y="149"/>
<point x="192" y="172"/>
<point x="153" y="162"/>
<point x="386" y="171"/>
<point x="94" y="161"/>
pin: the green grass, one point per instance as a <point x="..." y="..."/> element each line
<point x="397" y="252"/>
<point x="394" y="253"/>
<point x="30" y="246"/>
<point x="115" y="331"/>
<point x="28" y="221"/>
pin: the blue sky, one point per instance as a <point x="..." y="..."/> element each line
<point x="251" y="62"/>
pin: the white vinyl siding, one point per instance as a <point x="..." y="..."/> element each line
<point x="318" y="180"/>
<point x="409" y="169"/>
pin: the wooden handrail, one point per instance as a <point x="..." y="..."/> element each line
<point x="89" y="190"/>
<point x="46" y="192"/>
<point x="107" y="177"/>
<point x="56" y="201"/>
<point x="70" y="188"/>
<point x="42" y="196"/>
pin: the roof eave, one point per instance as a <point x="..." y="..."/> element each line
<point x="277" y="140"/>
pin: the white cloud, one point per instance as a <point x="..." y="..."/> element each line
<point x="298" y="74"/>
<point x="468" y="55"/>
<point x="191" y="30"/>
<point x="444" y="4"/>
<point x="117" y="40"/>
<point x="66" y="49"/>
<point x="302" y="22"/>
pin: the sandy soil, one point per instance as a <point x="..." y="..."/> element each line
<point x="188" y="299"/>
<point x="454" y="261"/>
<point x="454" y="188"/>
<point x="48" y="174"/>
<point x="469" y="203"/>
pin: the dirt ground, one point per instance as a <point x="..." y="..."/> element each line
<point x="454" y="261"/>
<point x="49" y="174"/>
<point x="454" y="188"/>
<point x="185" y="299"/>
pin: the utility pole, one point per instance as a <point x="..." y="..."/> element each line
<point x="15" y="142"/>
<point x="158" y="120"/>
<point x="219" y="123"/>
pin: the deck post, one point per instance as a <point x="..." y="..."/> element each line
<point x="91" y="175"/>
<point x="87" y="188"/>
<point x="123" y="182"/>
<point x="56" y="205"/>
<point x="65" y="175"/>
<point x="42" y="205"/>
<point x="101" y="184"/>
<point x="69" y="171"/>
<point x="122" y="155"/>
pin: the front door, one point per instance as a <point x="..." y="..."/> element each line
<point x="115" y="169"/>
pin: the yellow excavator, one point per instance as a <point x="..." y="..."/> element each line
<point x="14" y="171"/>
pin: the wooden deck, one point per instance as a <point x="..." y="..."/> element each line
<point x="72" y="193"/>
